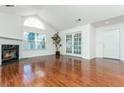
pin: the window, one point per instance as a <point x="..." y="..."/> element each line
<point x="34" y="40"/>
<point x="34" y="22"/>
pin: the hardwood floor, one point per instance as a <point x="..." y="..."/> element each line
<point x="65" y="71"/>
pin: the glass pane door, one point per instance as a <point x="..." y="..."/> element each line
<point x="77" y="43"/>
<point x="68" y="43"/>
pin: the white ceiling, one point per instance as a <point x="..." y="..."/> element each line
<point x="63" y="17"/>
<point x="110" y="21"/>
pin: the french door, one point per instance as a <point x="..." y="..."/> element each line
<point x="68" y="43"/>
<point x="73" y="44"/>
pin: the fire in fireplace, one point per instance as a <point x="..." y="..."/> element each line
<point x="10" y="53"/>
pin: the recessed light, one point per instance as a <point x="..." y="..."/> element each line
<point x="106" y="22"/>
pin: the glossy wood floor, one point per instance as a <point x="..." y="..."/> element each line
<point x="65" y="71"/>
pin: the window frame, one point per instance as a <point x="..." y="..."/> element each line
<point x="35" y="42"/>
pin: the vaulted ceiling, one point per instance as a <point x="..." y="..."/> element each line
<point x="63" y="17"/>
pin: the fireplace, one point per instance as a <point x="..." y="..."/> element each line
<point x="10" y="53"/>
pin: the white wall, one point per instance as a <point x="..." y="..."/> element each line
<point x="92" y="42"/>
<point x="10" y="26"/>
<point x="49" y="43"/>
<point x="99" y="41"/>
<point x="87" y="45"/>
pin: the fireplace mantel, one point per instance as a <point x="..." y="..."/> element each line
<point x="11" y="38"/>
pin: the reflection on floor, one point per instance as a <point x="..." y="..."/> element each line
<point x="63" y="71"/>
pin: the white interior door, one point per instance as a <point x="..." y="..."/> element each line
<point x="111" y="44"/>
